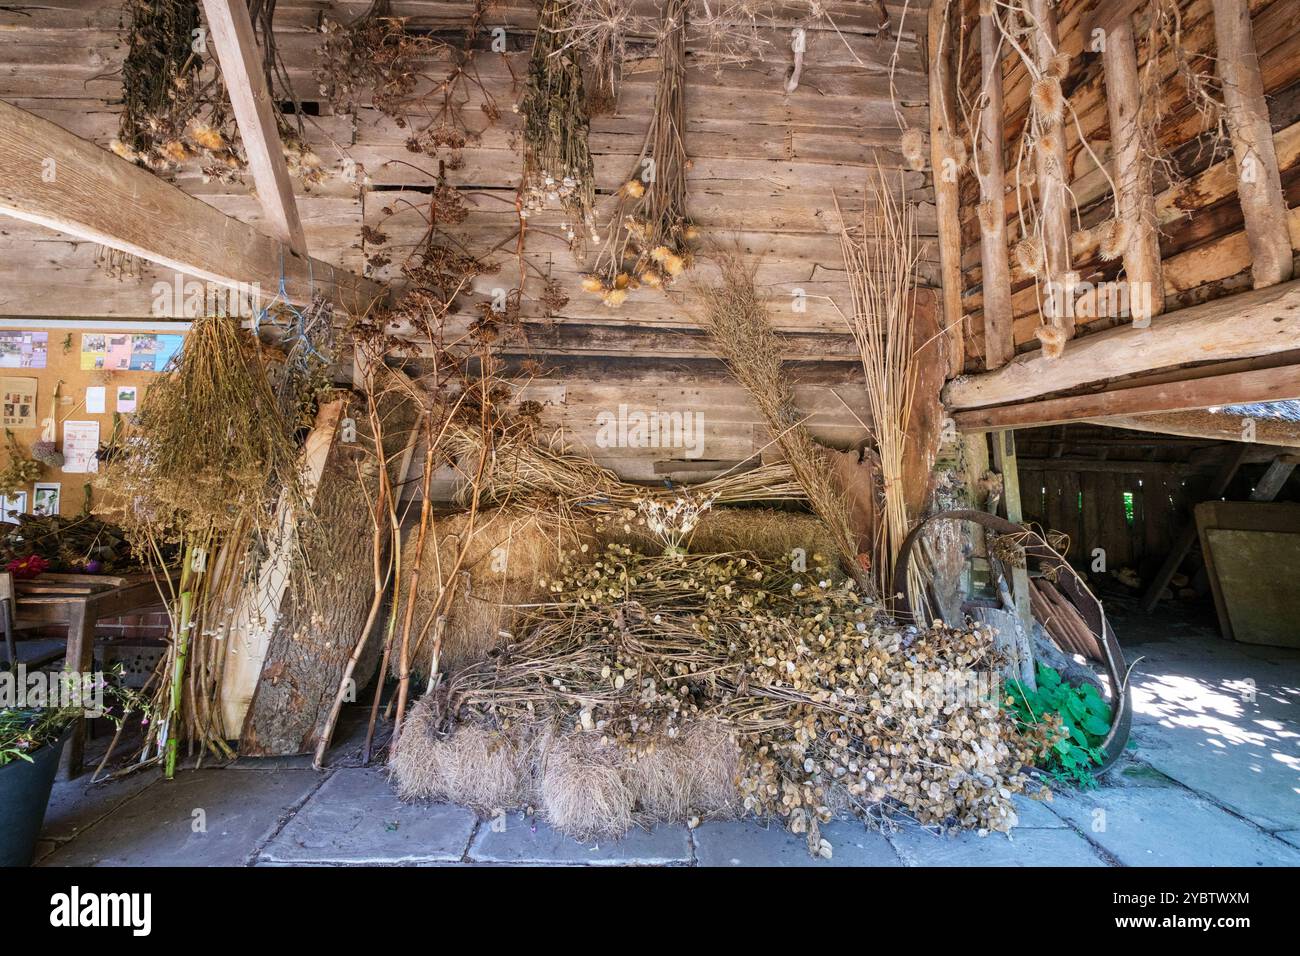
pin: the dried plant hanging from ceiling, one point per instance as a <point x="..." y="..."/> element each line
<point x="557" y="159"/>
<point x="649" y="235"/>
<point x="174" y="111"/>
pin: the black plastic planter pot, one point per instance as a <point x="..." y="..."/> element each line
<point x="24" y="792"/>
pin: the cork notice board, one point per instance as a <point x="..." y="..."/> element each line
<point x="123" y="367"/>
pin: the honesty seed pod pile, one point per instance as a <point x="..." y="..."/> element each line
<point x="827" y="704"/>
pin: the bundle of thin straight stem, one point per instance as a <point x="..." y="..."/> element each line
<point x="557" y="160"/>
<point x="523" y="467"/>
<point x="649" y="233"/>
<point x="881" y="255"/>
<point x="742" y="333"/>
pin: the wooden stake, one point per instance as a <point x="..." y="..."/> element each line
<point x="1259" y="185"/>
<point x="1132" y="172"/>
<point x="946" y="174"/>
<point x="999" y="344"/>
<point x="1053" y="199"/>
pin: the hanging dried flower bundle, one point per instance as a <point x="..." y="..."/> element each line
<point x="649" y="235"/>
<point x="557" y="160"/>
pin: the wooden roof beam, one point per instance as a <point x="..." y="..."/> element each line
<point x="1255" y="323"/>
<point x="241" y="69"/>
<point x="55" y="179"/>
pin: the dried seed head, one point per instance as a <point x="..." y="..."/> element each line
<point x="1053" y="340"/>
<point x="1114" y="234"/>
<point x="913" y="146"/>
<point x="1029" y="255"/>
<point x="1059" y="65"/>
<point x="1048" y="100"/>
<point x="634" y="188"/>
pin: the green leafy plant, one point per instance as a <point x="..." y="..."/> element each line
<point x="1067" y="724"/>
<point x="23" y="731"/>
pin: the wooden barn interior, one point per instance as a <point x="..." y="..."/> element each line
<point x="341" y="337"/>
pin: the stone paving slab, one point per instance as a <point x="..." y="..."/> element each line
<point x="240" y="812"/>
<point x="1290" y="836"/>
<point x="1036" y="814"/>
<point x="355" y="817"/>
<point x="749" y="843"/>
<point x="1170" y="826"/>
<point x="515" y="838"/>
<point x="78" y="804"/>
<point x="1024" y="846"/>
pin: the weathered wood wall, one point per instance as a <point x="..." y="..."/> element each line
<point x="766" y="166"/>
<point x="1203" y="246"/>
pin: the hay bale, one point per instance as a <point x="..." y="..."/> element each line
<point x="693" y="774"/>
<point x="514" y="546"/>
<point x="581" y="787"/>
<point x="481" y="768"/>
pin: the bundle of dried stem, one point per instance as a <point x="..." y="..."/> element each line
<point x="737" y="320"/>
<point x="881" y="254"/>
<point x="557" y="160"/>
<point x="649" y="234"/>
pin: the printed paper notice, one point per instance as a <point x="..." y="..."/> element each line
<point x="80" y="442"/>
<point x="95" y="400"/>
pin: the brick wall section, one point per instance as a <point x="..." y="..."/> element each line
<point x="150" y="623"/>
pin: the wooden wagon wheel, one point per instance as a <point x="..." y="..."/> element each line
<point x="1089" y="607"/>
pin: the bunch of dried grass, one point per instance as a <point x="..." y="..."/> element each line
<point x="738" y="322"/>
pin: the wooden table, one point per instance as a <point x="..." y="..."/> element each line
<point x="79" y="601"/>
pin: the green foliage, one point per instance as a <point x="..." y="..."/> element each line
<point x="26" y="730"/>
<point x="1069" y="723"/>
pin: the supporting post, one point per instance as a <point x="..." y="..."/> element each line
<point x="1053" y="197"/>
<point x="1275" y="477"/>
<point x="1004" y="460"/>
<point x="1132" y="172"/>
<point x="1259" y="185"/>
<point x="241" y="68"/>
<point x="946" y="173"/>
<point x="78" y="661"/>
<point x="999" y="344"/>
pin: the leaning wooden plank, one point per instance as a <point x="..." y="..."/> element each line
<point x="998" y="345"/>
<point x="54" y="179"/>
<point x="1275" y="477"/>
<point x="1259" y="385"/>
<point x="1259" y="185"/>
<point x="1132" y="171"/>
<point x="241" y="69"/>
<point x="1258" y="322"/>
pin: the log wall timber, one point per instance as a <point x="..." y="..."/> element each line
<point x="54" y="179"/>
<point x="1258" y="183"/>
<point x="943" y="163"/>
<point x="1203" y="240"/>
<point x="1255" y="323"/>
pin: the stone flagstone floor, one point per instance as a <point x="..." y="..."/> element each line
<point x="1214" y="781"/>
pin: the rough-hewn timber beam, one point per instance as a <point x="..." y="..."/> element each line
<point x="1202" y="424"/>
<point x="1259" y="322"/>
<point x="1131" y="170"/>
<point x="241" y="69"/>
<point x="999" y="344"/>
<point x="947" y="203"/>
<point x="1261" y="385"/>
<point x="52" y="178"/>
<point x="1259" y="185"/>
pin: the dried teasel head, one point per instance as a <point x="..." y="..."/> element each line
<point x="1059" y="65"/>
<point x="1029" y="255"/>
<point x="1053" y="340"/>
<point x="1050" y="141"/>
<point x="989" y="213"/>
<point x="1048" y="100"/>
<point x="1114" y="235"/>
<point x="912" y="144"/>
